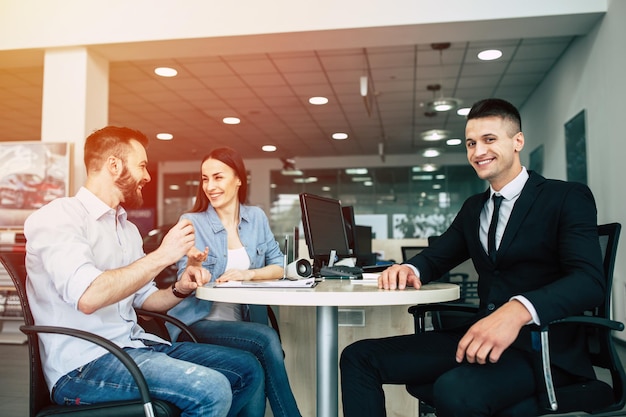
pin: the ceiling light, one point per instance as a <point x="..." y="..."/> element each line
<point x="435" y="134"/>
<point x="356" y="171"/>
<point x="368" y="183"/>
<point x="429" y="167"/>
<point x="463" y="111"/>
<point x="430" y="153"/>
<point x="268" y="148"/>
<point x="423" y="177"/>
<point x="326" y="188"/>
<point x="164" y="136"/>
<point x="454" y="142"/>
<point x="318" y="101"/>
<point x="307" y="180"/>
<point x="441" y="103"/>
<point x="489" y="54"/>
<point x="231" y="120"/>
<point x="165" y="72"/>
<point x="291" y="172"/>
<point x="444" y="104"/>
<point x="340" y="136"/>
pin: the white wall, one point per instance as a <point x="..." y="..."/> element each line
<point x="589" y="76"/>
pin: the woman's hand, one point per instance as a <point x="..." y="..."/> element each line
<point x="195" y="257"/>
<point x="237" y="275"/>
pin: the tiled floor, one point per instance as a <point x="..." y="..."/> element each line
<point x="14" y="378"/>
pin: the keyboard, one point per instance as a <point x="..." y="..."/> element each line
<point x="342" y="271"/>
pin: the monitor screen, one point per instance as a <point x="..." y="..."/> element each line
<point x="363" y="236"/>
<point x="324" y="229"/>
<point x="348" y="221"/>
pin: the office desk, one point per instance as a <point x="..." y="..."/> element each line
<point x="327" y="296"/>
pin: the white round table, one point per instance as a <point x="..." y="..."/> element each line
<point x="327" y="296"/>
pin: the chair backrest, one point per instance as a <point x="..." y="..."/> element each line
<point x="14" y="263"/>
<point x="601" y="346"/>
<point x="410" y="251"/>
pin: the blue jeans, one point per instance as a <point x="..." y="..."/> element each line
<point x="228" y="382"/>
<point x="262" y="341"/>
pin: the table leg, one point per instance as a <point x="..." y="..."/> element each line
<point x="327" y="362"/>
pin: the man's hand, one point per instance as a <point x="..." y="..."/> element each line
<point x="398" y="276"/>
<point x="177" y="242"/>
<point x="492" y="335"/>
<point x="193" y="277"/>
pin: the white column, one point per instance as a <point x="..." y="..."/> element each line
<point x="75" y="102"/>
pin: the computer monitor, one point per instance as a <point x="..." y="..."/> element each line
<point x="324" y="229"/>
<point x="348" y="221"/>
<point x="363" y="236"/>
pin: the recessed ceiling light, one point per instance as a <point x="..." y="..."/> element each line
<point x="429" y="167"/>
<point x="435" y="134"/>
<point x="430" y="153"/>
<point x="454" y="142"/>
<point x="340" y="136"/>
<point x="318" y="101"/>
<point x="489" y="54"/>
<point x="268" y="148"/>
<point x="326" y="188"/>
<point x="231" y="120"/>
<point x="165" y="72"/>
<point x="464" y="111"/>
<point x="356" y="171"/>
<point x="164" y="136"/>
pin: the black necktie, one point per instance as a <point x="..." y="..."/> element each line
<point x="491" y="236"/>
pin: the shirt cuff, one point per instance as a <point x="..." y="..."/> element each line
<point x="529" y="306"/>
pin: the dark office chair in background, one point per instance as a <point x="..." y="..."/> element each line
<point x="595" y="397"/>
<point x="468" y="294"/>
<point x="40" y="403"/>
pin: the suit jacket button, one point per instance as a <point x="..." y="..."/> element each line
<point x="491" y="306"/>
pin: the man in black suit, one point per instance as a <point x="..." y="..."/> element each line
<point x="547" y="265"/>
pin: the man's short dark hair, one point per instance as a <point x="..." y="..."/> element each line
<point x="110" y="140"/>
<point x="497" y="107"/>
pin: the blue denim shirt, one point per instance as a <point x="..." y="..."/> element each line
<point x="255" y="235"/>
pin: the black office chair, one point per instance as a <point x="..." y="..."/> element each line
<point x="594" y="397"/>
<point x="40" y="403"/>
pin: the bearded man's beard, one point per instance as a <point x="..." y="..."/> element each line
<point x="131" y="195"/>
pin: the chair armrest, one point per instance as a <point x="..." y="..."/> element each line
<point x="545" y="347"/>
<point x="165" y="317"/>
<point x="112" y="348"/>
<point x="419" y="312"/>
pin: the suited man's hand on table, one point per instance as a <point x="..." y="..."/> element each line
<point x="492" y="335"/>
<point x="398" y="276"/>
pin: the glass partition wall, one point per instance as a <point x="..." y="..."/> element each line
<point x="398" y="202"/>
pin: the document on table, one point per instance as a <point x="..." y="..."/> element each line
<point x="368" y="279"/>
<point x="280" y="283"/>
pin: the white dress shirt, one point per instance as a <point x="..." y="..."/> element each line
<point x="69" y="243"/>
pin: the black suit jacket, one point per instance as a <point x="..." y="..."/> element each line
<point x="549" y="254"/>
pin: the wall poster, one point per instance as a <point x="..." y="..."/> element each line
<point x="576" y="148"/>
<point x="31" y="175"/>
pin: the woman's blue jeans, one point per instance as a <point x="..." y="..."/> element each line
<point x="262" y="341"/>
<point x="202" y="380"/>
